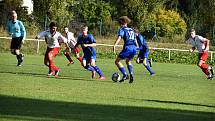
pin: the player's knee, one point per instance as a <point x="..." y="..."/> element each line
<point x="13" y="52"/>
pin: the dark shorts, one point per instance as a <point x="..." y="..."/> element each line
<point x="16" y="43"/>
<point x="143" y="54"/>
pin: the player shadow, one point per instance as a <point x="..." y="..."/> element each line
<point x="20" y="108"/>
<point x="24" y="73"/>
<point x="173" y="102"/>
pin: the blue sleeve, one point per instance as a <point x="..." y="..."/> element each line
<point x="91" y="38"/>
<point x="121" y="33"/>
<point x="79" y="40"/>
<point x="22" y="29"/>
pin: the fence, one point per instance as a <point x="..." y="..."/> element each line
<point x="165" y="49"/>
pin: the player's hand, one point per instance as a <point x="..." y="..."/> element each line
<point x="191" y="50"/>
<point x="23" y="41"/>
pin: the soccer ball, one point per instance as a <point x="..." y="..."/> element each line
<point x="115" y="77"/>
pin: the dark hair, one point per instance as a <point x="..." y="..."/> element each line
<point x="52" y="24"/>
<point x="124" y="20"/>
<point x="192" y="30"/>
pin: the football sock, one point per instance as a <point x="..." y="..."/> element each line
<point x="80" y="59"/>
<point x="98" y="71"/>
<point x="122" y="70"/>
<point x="90" y="68"/>
<point x="68" y="56"/>
<point x="19" y="57"/>
<point x="204" y="68"/>
<point x="130" y="69"/>
<point x="149" y="69"/>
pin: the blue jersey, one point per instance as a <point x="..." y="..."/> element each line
<point x="128" y="36"/>
<point x="142" y="43"/>
<point x="16" y="29"/>
<point x="144" y="50"/>
<point x="129" y="48"/>
<point x="88" y="51"/>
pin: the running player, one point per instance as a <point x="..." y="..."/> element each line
<point x="202" y="45"/>
<point x="129" y="48"/>
<point x="144" y="52"/>
<point x="53" y="41"/>
<point x="87" y="43"/>
<point x="71" y="42"/>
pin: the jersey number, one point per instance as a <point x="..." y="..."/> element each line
<point x="131" y="35"/>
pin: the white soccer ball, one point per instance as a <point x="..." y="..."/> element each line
<point x="115" y="77"/>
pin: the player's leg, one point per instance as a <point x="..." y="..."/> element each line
<point x="15" y="46"/>
<point x="66" y="53"/>
<point x="76" y="52"/>
<point x="53" y="67"/>
<point x="147" y="66"/>
<point x="85" y="64"/>
<point x="97" y="69"/>
<point x="130" y="69"/>
<point x="46" y="62"/>
<point x="205" y="67"/>
<point x="121" y="69"/>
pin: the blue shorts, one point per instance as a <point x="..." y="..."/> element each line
<point x="89" y="58"/>
<point x="128" y="52"/>
<point x="143" y="54"/>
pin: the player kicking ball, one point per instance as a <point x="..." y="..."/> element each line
<point x="143" y="52"/>
<point x="129" y="48"/>
<point x="202" y="45"/>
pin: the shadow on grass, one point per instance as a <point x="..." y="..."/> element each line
<point x="34" y="109"/>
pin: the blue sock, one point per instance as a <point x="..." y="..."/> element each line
<point x="130" y="69"/>
<point x="149" y="69"/>
<point x="90" y="68"/>
<point x="98" y="71"/>
<point x="122" y="70"/>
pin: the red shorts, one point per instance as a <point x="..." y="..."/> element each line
<point x="53" y="51"/>
<point x="76" y="50"/>
<point x="203" y="56"/>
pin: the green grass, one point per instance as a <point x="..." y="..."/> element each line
<point x="176" y="93"/>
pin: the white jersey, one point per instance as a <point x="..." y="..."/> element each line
<point x="198" y="42"/>
<point x="52" y="41"/>
<point x="71" y="39"/>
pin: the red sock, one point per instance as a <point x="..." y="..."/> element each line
<point x="80" y="59"/>
<point x="204" y="68"/>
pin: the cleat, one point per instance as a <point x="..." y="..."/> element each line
<point x="210" y="77"/>
<point x="50" y="73"/>
<point x="152" y="74"/>
<point x="19" y="63"/>
<point x="211" y="70"/>
<point x="57" y="73"/>
<point x="101" y="78"/>
<point x="131" y="79"/>
<point x="72" y="62"/>
<point x="124" y="78"/>
<point x="93" y="74"/>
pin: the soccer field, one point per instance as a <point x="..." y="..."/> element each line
<point x="177" y="92"/>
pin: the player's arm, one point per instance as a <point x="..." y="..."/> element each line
<point x="207" y="45"/>
<point x="92" y="44"/>
<point x="116" y="43"/>
<point x="23" y="31"/>
<point x="192" y="49"/>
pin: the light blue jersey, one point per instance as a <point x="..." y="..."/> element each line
<point x="16" y="29"/>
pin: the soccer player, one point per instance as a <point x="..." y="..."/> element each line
<point x="202" y="45"/>
<point x="17" y="31"/>
<point x="88" y="43"/>
<point x="144" y="52"/>
<point x="129" y="48"/>
<point x="71" y="42"/>
<point x="53" y="41"/>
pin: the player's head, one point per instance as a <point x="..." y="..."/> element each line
<point x="124" y="20"/>
<point x="84" y="29"/>
<point x="53" y="27"/>
<point x="192" y="33"/>
<point x="13" y="15"/>
<point x="66" y="29"/>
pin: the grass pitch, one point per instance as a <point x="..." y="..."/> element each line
<point x="176" y="93"/>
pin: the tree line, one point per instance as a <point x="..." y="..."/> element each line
<point x="170" y="20"/>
